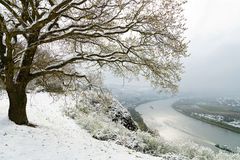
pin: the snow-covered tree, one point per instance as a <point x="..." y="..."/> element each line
<point x="139" y="37"/>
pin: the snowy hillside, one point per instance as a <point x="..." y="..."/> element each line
<point x="56" y="138"/>
<point x="63" y="135"/>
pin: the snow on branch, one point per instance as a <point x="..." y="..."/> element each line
<point x="138" y="37"/>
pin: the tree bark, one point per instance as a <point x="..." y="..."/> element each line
<point x="17" y="101"/>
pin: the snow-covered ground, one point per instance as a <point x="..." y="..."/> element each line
<point x="230" y="102"/>
<point x="217" y="118"/>
<point x="57" y="137"/>
<point x="235" y="123"/>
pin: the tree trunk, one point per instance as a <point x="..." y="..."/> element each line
<point x="17" y="101"/>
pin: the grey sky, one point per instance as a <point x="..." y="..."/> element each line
<point x="214" y="32"/>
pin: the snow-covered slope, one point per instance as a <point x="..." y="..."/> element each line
<point x="57" y="137"/>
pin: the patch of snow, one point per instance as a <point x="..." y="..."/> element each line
<point x="217" y="118"/>
<point x="235" y="123"/>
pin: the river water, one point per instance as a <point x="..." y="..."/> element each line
<point x="174" y="126"/>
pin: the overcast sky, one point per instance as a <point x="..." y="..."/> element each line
<point x="214" y="34"/>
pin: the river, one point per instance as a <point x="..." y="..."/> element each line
<point x="174" y="126"/>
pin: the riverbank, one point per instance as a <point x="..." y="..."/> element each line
<point x="138" y="119"/>
<point x="209" y="121"/>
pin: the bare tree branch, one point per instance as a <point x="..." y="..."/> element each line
<point x="124" y="35"/>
